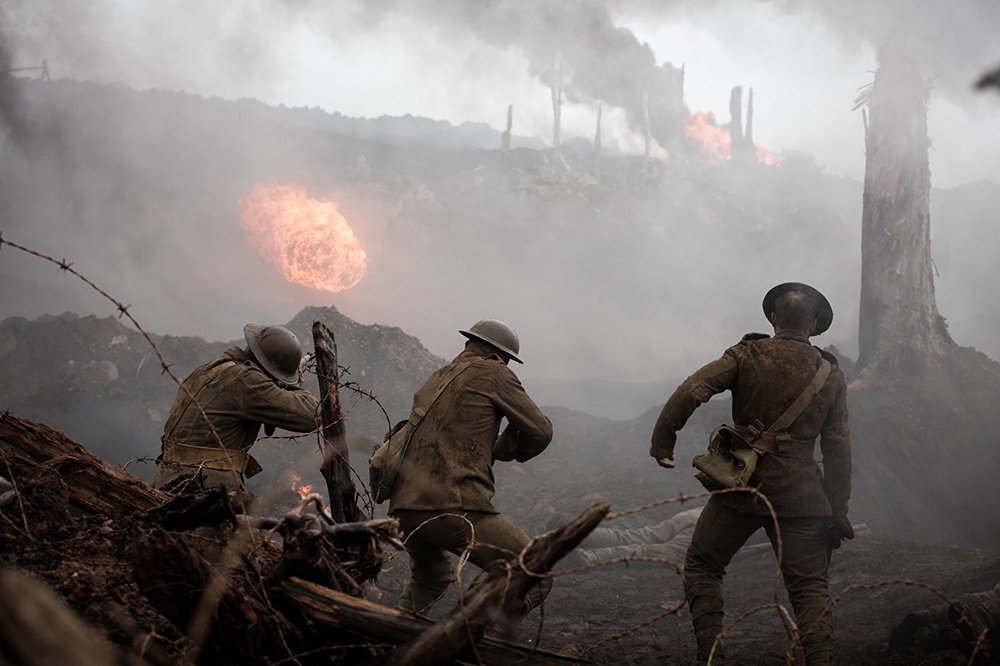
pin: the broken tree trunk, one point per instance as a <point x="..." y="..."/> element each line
<point x="336" y="467"/>
<point x="383" y="625"/>
<point x="557" y="97"/>
<point x="92" y="483"/>
<point x="503" y="589"/>
<point x="505" y="138"/>
<point x="900" y="328"/>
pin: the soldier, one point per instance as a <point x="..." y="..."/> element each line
<point x="766" y="375"/>
<point x="442" y="496"/>
<point x="238" y="391"/>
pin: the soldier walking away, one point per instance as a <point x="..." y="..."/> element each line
<point x="239" y="391"/>
<point x="766" y="376"/>
<point x="442" y="496"/>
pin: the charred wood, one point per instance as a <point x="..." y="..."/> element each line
<point x="336" y="467"/>
<point x="900" y="329"/>
<point x="173" y="576"/>
<point x="92" y="484"/>
<point x="387" y="626"/>
<point x="213" y="506"/>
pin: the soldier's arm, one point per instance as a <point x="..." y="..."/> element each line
<point x="714" y="378"/>
<point x="292" y="408"/>
<point x="835" y="445"/>
<point x="528" y="430"/>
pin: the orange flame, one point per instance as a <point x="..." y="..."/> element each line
<point x="304" y="490"/>
<point x="711" y="139"/>
<point x="766" y="157"/>
<point x="714" y="141"/>
<point x="308" y="240"/>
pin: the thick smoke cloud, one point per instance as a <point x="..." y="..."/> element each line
<point x="646" y="291"/>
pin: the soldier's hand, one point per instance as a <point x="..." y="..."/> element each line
<point x="666" y="463"/>
<point x="838" y="528"/>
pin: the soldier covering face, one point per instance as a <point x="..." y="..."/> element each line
<point x="238" y="391"/>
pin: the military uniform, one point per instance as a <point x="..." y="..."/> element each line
<point x="667" y="540"/>
<point x="445" y="485"/>
<point x="238" y="397"/>
<point x="766" y="375"/>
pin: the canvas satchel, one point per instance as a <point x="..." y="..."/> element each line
<point x="387" y="457"/>
<point x="733" y="451"/>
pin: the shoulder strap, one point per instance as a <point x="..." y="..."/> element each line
<point x="419" y="411"/>
<point x="192" y="394"/>
<point x="796" y="408"/>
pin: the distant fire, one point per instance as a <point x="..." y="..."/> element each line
<point x="303" y="490"/>
<point x="308" y="240"/>
<point x="714" y="142"/>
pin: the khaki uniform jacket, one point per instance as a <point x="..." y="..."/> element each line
<point x="449" y="461"/>
<point x="238" y="397"/>
<point x="765" y="375"/>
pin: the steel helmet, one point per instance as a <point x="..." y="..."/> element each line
<point x="496" y="333"/>
<point x="824" y="312"/>
<point x="277" y="350"/>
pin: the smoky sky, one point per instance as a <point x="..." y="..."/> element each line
<point x="463" y="60"/>
<point x="466" y="61"/>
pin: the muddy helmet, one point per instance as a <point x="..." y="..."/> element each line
<point x="277" y="350"/>
<point x="824" y="312"/>
<point x="495" y="333"/>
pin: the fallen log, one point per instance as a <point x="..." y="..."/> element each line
<point x="502" y="589"/>
<point x="385" y="626"/>
<point x="336" y="466"/>
<point x="93" y="484"/>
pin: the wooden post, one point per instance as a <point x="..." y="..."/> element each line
<point x="336" y="467"/>
<point x="647" y="128"/>
<point x="597" y="144"/>
<point x="505" y="139"/>
<point x="556" y="90"/>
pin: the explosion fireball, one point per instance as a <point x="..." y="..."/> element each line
<point x="308" y="240"/>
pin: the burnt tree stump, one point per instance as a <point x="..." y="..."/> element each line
<point x="336" y="467"/>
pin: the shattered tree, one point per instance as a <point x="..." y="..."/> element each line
<point x="900" y="328"/>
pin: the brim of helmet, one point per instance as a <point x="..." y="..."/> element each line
<point x="824" y="311"/>
<point x="251" y="332"/>
<point x="506" y="352"/>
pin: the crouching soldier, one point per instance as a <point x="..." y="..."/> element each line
<point x="442" y="496"/>
<point x="236" y="392"/>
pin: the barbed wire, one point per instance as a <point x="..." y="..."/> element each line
<point x="785" y="614"/>
<point x="124" y="311"/>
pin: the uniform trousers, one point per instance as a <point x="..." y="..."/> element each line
<point x="721" y="532"/>
<point x="432" y="535"/>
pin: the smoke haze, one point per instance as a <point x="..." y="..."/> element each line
<point x="623" y="288"/>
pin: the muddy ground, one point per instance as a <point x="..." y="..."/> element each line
<point x="618" y="614"/>
<point x="621" y="614"/>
